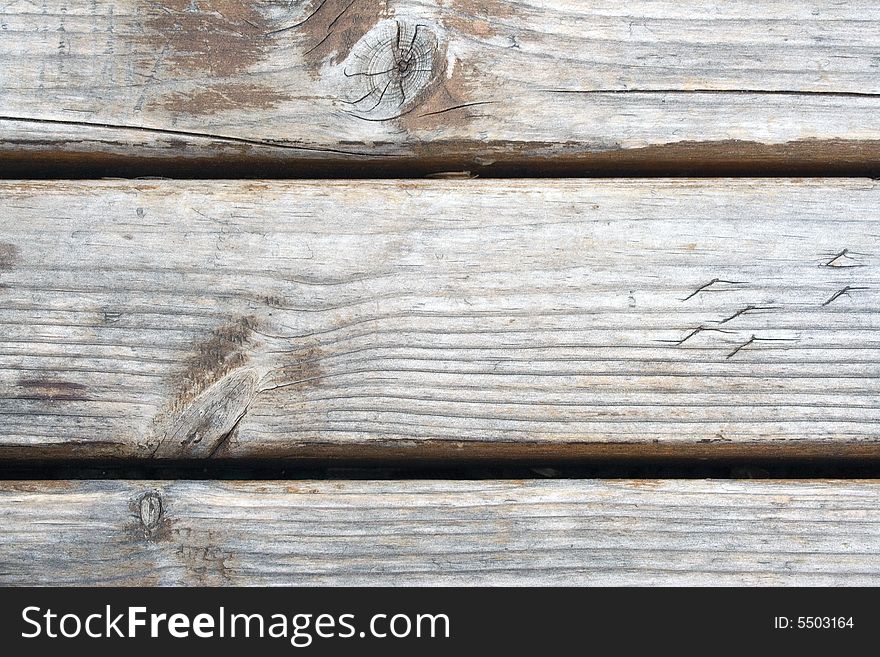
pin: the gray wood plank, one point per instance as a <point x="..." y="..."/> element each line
<point x="430" y="532"/>
<point x="439" y="319"/>
<point x="412" y="86"/>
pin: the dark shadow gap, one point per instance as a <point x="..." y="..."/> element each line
<point x="225" y="161"/>
<point x="290" y="470"/>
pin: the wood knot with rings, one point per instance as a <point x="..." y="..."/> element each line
<point x="390" y="68"/>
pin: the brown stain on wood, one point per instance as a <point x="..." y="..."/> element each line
<point x="219" y="98"/>
<point x="208" y="40"/>
<point x="9" y="256"/>
<point x="224" y="350"/>
<point x="301" y="369"/>
<point x="218" y="37"/>
<point x="331" y="28"/>
<point x="53" y="389"/>
<point x="479" y="18"/>
<point x="448" y="102"/>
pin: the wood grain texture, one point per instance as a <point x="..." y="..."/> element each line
<point x="455" y="533"/>
<point x="413" y="86"/>
<point x="439" y="319"/>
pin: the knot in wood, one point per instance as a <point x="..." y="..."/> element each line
<point x="150" y="510"/>
<point x="390" y="68"/>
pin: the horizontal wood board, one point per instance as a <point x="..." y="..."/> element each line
<point x="439" y="319"/>
<point x="363" y="87"/>
<point x="397" y="533"/>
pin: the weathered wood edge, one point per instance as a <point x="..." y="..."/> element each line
<point x="573" y="532"/>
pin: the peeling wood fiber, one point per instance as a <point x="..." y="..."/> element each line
<point x="442" y="319"/>
<point x="410" y="87"/>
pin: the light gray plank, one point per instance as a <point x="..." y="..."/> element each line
<point x="412" y="86"/>
<point x="454" y="533"/>
<point x="439" y="319"/>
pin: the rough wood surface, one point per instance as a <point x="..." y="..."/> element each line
<point x="439" y="319"/>
<point x="455" y="533"/>
<point x="423" y="85"/>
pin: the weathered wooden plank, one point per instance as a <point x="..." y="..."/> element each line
<point x="411" y="86"/>
<point x="428" y="532"/>
<point x="439" y="319"/>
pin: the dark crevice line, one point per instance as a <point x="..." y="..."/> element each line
<point x="356" y="166"/>
<point x="713" y="92"/>
<point x="354" y="469"/>
<point x="458" y="107"/>
<point x="171" y="132"/>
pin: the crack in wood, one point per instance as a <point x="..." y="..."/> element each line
<point x="845" y="291"/>
<point x="706" y="286"/>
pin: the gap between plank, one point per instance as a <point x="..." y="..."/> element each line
<point x="236" y="469"/>
<point x="278" y="159"/>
